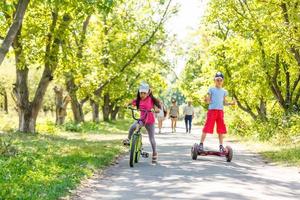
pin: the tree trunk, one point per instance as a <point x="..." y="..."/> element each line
<point x="27" y="113"/>
<point x="27" y="121"/>
<point x="106" y="107"/>
<point x="59" y="118"/>
<point x="14" y="28"/>
<point x="5" y="101"/>
<point x="121" y="114"/>
<point x="262" y="110"/>
<point x="61" y="106"/>
<point x="95" y="111"/>
<point x="77" y="110"/>
<point x="76" y="106"/>
<point x="114" y="112"/>
<point x="4" y="105"/>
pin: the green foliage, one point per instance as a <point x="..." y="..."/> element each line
<point x="172" y="93"/>
<point x="47" y="127"/>
<point x="276" y="130"/>
<point x="254" y="43"/>
<point x="114" y="37"/>
<point x="73" y="127"/>
<point x="47" y="166"/>
<point x="277" y="140"/>
<point x="113" y="127"/>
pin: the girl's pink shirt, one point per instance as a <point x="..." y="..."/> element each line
<point x="146" y="104"/>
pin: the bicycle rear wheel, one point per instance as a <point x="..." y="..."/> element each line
<point x="133" y="147"/>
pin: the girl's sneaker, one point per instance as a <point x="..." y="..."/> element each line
<point x="126" y="142"/>
<point x="154" y="158"/>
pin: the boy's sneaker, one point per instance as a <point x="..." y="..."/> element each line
<point x="200" y="147"/>
<point x="222" y="149"/>
<point x="126" y="142"/>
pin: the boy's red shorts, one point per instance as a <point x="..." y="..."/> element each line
<point x="215" y="116"/>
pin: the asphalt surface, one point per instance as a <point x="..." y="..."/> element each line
<point x="177" y="176"/>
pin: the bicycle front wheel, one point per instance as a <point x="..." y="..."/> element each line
<point x="138" y="148"/>
<point x="133" y="150"/>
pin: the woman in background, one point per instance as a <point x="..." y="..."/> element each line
<point x="174" y="113"/>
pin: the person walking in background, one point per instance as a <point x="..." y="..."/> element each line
<point x="174" y="113"/>
<point x="161" y="116"/>
<point x="188" y="112"/>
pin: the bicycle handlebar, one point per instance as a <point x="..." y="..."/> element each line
<point x="144" y="110"/>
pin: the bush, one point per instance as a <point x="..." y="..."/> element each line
<point x="73" y="127"/>
<point x="120" y="126"/>
<point x="48" y="127"/>
<point x="277" y="130"/>
<point x="239" y="125"/>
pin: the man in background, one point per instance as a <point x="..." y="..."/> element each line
<point x="188" y="112"/>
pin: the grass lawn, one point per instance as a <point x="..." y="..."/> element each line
<point x="288" y="154"/>
<point x="48" y="165"/>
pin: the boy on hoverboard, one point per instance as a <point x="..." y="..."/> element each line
<point x="216" y="99"/>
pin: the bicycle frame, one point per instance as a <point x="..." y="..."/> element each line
<point x="140" y="122"/>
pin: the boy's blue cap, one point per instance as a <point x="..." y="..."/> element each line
<point x="219" y="75"/>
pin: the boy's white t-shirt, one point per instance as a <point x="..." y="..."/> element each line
<point x="188" y="110"/>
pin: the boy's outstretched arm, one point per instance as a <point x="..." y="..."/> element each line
<point x="227" y="103"/>
<point x="207" y="99"/>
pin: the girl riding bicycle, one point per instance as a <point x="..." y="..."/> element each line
<point x="146" y="101"/>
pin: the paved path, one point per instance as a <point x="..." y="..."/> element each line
<point x="177" y="176"/>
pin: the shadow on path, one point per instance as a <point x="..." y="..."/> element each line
<point x="177" y="176"/>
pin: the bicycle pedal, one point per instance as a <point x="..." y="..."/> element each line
<point x="145" y="154"/>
